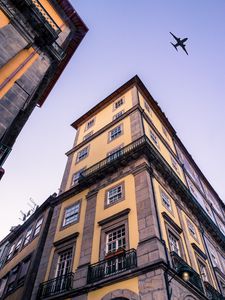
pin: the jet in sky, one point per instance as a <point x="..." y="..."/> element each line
<point x="179" y="43"/>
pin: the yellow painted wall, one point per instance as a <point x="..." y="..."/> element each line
<point x="174" y="215"/>
<point x="156" y="121"/>
<point x="12" y="65"/>
<point x="131" y="284"/>
<point x="164" y="151"/>
<point x="99" y="147"/>
<point x="101" y="214"/>
<point x="78" y="227"/>
<point x="105" y="116"/>
<point x="4" y="20"/>
<point x="55" y="16"/>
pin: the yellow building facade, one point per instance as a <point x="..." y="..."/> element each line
<point x="135" y="217"/>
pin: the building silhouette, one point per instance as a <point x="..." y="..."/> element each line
<point x="37" y="40"/>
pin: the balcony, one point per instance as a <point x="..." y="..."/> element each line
<point x="115" y="263"/>
<point x="179" y="265"/>
<point x="56" y="286"/>
<point x="4" y="152"/>
<point x="40" y="20"/>
<point x="212" y="293"/>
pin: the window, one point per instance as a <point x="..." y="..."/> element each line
<point x="119" y="114"/>
<point x="174" y="243"/>
<point x="202" y="271"/>
<point x="82" y="154"/>
<point x="214" y="260"/>
<point x="38" y="227"/>
<point x="174" y="164"/>
<point x="118" y="103"/>
<point x="24" y="270"/>
<point x="12" y="279"/>
<point x="114" y="194"/>
<point x="147" y="107"/>
<point x="87" y="136"/>
<point x="154" y="138"/>
<point x="64" y="264"/>
<point x="76" y="176"/>
<point x="114" y="154"/>
<point x="27" y="237"/>
<point x="166" y="200"/>
<point x="3" y="282"/>
<point x="115" y="132"/>
<point x="71" y="214"/>
<point x="165" y="131"/>
<point x="191" y="228"/>
<point x="10" y="253"/>
<point x="116" y="239"/>
<point x="17" y="247"/>
<point x="90" y="124"/>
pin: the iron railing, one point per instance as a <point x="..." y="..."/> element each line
<point x="117" y="263"/>
<point x="212" y="293"/>
<point x="56" y="286"/>
<point x="179" y="264"/>
<point x="4" y="152"/>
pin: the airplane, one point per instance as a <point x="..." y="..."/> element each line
<point x="179" y="43"/>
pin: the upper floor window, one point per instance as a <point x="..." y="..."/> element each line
<point x="12" y="279"/>
<point x="118" y="103"/>
<point x="82" y="154"/>
<point x="191" y="228"/>
<point x="214" y="260"/>
<point x="27" y="237"/>
<point x="90" y="123"/>
<point x="116" y="239"/>
<point x="119" y="114"/>
<point x="76" y="177"/>
<point x="17" y="246"/>
<point x="38" y="227"/>
<point x="174" y="164"/>
<point x="174" y="243"/>
<point x="87" y="136"/>
<point x="71" y="214"/>
<point x="64" y="265"/>
<point x="10" y="253"/>
<point x="115" y="132"/>
<point x="165" y="131"/>
<point x="147" y="107"/>
<point x="114" y="194"/>
<point x="154" y="138"/>
<point x="114" y="154"/>
<point x="166" y="200"/>
<point x="202" y="271"/>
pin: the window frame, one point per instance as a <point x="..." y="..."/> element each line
<point x="118" y="115"/>
<point x="78" y="172"/>
<point x="175" y="164"/>
<point x="170" y="208"/>
<point x="87" y="127"/>
<point x="87" y="136"/>
<point x="35" y="234"/>
<point x="106" y="203"/>
<point x="27" y="241"/>
<point x="155" y="140"/>
<point x="147" y="107"/>
<point x="110" y="139"/>
<point x="115" y="107"/>
<point x="78" y="158"/>
<point x="64" y="226"/>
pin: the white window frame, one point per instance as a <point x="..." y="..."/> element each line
<point x="65" y="263"/>
<point x="115" y="132"/>
<point x="90" y="123"/>
<point x="27" y="236"/>
<point x="166" y="200"/>
<point x="119" y="114"/>
<point x="118" y="242"/>
<point x="174" y="164"/>
<point x="18" y="245"/>
<point x="154" y="138"/>
<point x="87" y="136"/>
<point x="10" y="253"/>
<point x="82" y="154"/>
<point x="72" y="213"/>
<point x="147" y="107"/>
<point x="114" y="194"/>
<point x="37" y="228"/>
<point x="76" y="176"/>
<point x="119" y="103"/>
<point x="175" y="247"/>
<point x="203" y="271"/>
<point x="191" y="228"/>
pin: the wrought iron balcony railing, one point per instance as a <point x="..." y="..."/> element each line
<point x="39" y="19"/>
<point x="179" y="264"/>
<point x="4" y="152"/>
<point x="116" y="263"/>
<point x="56" y="286"/>
<point x="212" y="293"/>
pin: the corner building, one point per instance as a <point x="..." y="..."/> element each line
<point x="135" y="219"/>
<point x="37" y="40"/>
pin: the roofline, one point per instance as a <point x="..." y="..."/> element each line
<point x="77" y="37"/>
<point x="142" y="88"/>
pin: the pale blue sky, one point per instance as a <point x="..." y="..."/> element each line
<point x="126" y="38"/>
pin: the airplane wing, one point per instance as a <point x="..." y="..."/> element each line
<point x="174" y="36"/>
<point x="184" y="40"/>
<point x="183" y="47"/>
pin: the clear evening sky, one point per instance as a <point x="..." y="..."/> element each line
<point x="128" y="37"/>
